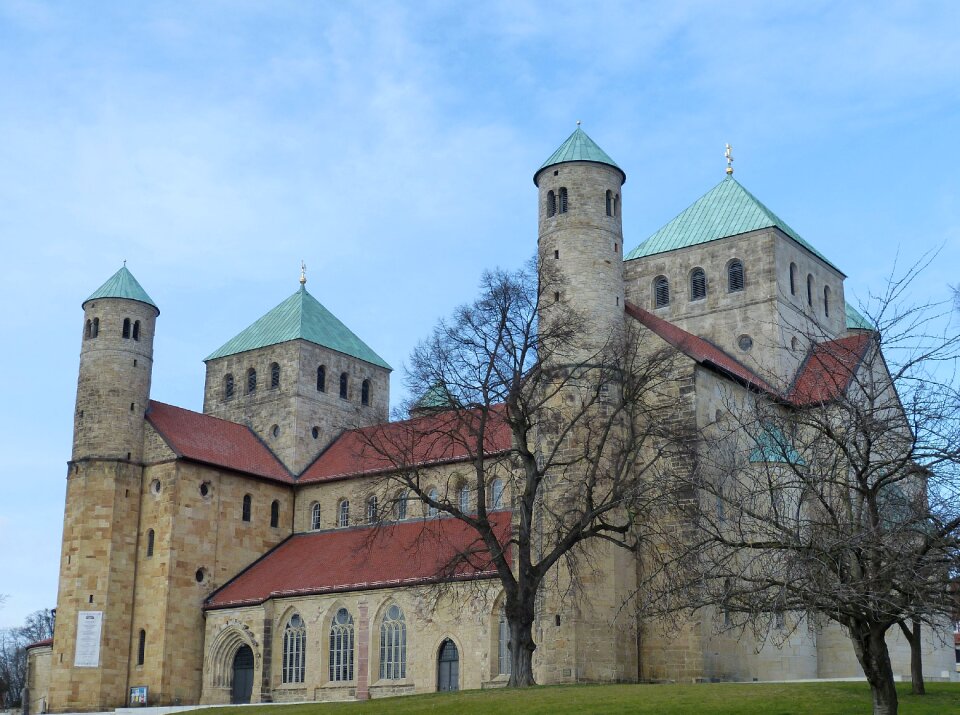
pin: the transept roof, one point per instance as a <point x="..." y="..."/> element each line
<point x="299" y="317"/>
<point x="122" y="284"/>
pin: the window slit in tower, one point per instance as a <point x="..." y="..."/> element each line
<point x="562" y="200"/>
<point x="136" y="330"/>
<point x="126" y="327"/>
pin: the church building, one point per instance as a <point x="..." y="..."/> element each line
<point x="239" y="555"/>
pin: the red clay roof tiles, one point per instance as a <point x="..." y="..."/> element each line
<point x="829" y="369"/>
<point x="401" y="554"/>
<point x="210" y="440"/>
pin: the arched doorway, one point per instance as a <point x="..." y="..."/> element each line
<point x="242" y="676"/>
<point x="448" y="667"/>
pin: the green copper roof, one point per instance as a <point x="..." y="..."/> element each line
<point x="122" y="284"/>
<point x="579" y="147"/>
<point x="300" y="317"/>
<point x="437" y="396"/>
<point x="727" y="209"/>
<point x="772" y="446"/>
<point x="856" y="321"/>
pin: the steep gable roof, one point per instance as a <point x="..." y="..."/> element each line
<point x="122" y="284"/>
<point x="303" y="317"/>
<point x="855" y="319"/>
<point x="727" y="209"/>
<point x="579" y="147"/>
<point x="829" y="369"/>
<point x="401" y="554"/>
<point x="210" y="440"/>
<point x="436" y="438"/>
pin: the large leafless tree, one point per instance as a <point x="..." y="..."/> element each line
<point x="13" y="653"/>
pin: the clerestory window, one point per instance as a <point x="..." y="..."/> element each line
<point x="661" y="292"/>
<point x="698" y="284"/>
<point x="735" y="276"/>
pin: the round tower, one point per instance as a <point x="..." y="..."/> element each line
<point x="116" y="363"/>
<point x="580" y="242"/>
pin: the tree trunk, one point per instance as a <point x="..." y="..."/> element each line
<point x="916" y="661"/>
<point x="522" y="646"/>
<point x="871" y="650"/>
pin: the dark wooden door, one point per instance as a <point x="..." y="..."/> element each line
<point x="242" y="676"/>
<point x="448" y="667"/>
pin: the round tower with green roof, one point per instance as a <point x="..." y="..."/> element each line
<point x="581" y="236"/>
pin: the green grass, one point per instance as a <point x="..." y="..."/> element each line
<point x="722" y="698"/>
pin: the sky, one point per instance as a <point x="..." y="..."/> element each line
<point x="391" y="147"/>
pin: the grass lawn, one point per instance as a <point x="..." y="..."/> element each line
<point x="725" y="698"/>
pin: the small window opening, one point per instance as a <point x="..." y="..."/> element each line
<point x="128" y="455"/>
<point x="556" y="296"/>
<point x="698" y="284"/>
<point x="810" y="290"/>
<point x="343" y="513"/>
<point x="616" y="205"/>
<point x="793" y="279"/>
<point x="131" y="407"/>
<point x="826" y="301"/>
<point x="200" y="575"/>
<point x="609" y="203"/>
<point x="321" y="379"/>
<point x="315" y="432"/>
<point x="274" y="376"/>
<point x="136" y="330"/>
<point x="735" y="276"/>
<point x="141" y="647"/>
<point x="251" y="381"/>
<point x="365" y="392"/>
<point x="228" y="387"/>
<point x="556" y="172"/>
<point x="95" y="331"/>
<point x="275" y="430"/>
<point x="81" y="414"/>
<point x="616" y="248"/>
<point x="343" y="385"/>
<point x="90" y="600"/>
<point x="556" y="254"/>
<point x="88" y="331"/>
<point x="247" y="503"/>
<point x="557" y="619"/>
<point x="134" y="362"/>
<point x="661" y="292"/>
<point x="126" y="327"/>
<point x="151" y="536"/>
<point x="204" y="489"/>
<point x="562" y="200"/>
<point x="551" y="203"/>
<point x="275" y="514"/>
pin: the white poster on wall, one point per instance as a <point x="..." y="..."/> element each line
<point x="87" y="650"/>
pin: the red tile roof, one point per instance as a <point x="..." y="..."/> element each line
<point x="829" y="369"/>
<point x="401" y="554"/>
<point x="38" y="644"/>
<point x="697" y="348"/>
<point x="210" y="440"/>
<point x="436" y="438"/>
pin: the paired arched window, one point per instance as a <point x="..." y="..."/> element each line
<point x="551" y="203"/>
<point x="393" y="644"/>
<point x="274" y="375"/>
<point x="341" y="646"/>
<point x="464" y="499"/>
<point x="793" y="279"/>
<point x="503" y="644"/>
<point x="616" y="205"/>
<point x="343" y="513"/>
<point x="562" y="200"/>
<point x="810" y="290"/>
<point x="435" y="496"/>
<point x="661" y="292"/>
<point x="496" y="494"/>
<point x="142" y="647"/>
<point x="609" y="202"/>
<point x="228" y="386"/>
<point x="826" y="301"/>
<point x="247" y="504"/>
<point x="372" y="510"/>
<point x="343" y="385"/>
<point x="735" y="275"/>
<point x="251" y="381"/>
<point x="126" y="327"/>
<point x="275" y="513"/>
<point x="294" y="650"/>
<point x="151" y="537"/>
<point x="136" y="330"/>
<point x="321" y="379"/>
<point x="315" y="516"/>
<point x="401" y="506"/>
<point x="698" y="284"/>
<point x="365" y="392"/>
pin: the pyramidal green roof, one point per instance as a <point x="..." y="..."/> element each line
<point x="122" y="284"/>
<point x="437" y="396"/>
<point x="727" y="209"/>
<point x="299" y="317"/>
<point x="855" y="320"/>
<point x="579" y="147"/>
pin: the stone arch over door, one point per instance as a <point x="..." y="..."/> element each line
<point x="221" y="659"/>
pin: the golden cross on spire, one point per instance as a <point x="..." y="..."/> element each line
<point x="729" y="154"/>
<point x="303" y="273"/>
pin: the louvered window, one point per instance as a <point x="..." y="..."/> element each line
<point x="562" y="208"/>
<point x="698" y="284"/>
<point x="551" y="203"/>
<point x="735" y="276"/>
<point x="228" y="387"/>
<point x="274" y="376"/>
<point x="661" y="291"/>
<point x="251" y="380"/>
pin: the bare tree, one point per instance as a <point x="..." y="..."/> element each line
<point x="13" y="652"/>
<point x="565" y="436"/>
<point x="841" y="499"/>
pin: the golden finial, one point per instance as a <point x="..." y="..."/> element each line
<point x="303" y="273"/>
<point x="729" y="154"/>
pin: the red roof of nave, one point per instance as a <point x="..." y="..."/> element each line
<point x="436" y="438"/>
<point x="401" y="554"/>
<point x="829" y="369"/>
<point x="207" y="439"/>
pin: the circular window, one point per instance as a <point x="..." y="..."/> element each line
<point x="315" y="432"/>
<point x="275" y="430"/>
<point x="155" y="486"/>
<point x="205" y="489"/>
<point x="394" y="613"/>
<point x="200" y="575"/>
<point x="342" y="617"/>
<point x="745" y="342"/>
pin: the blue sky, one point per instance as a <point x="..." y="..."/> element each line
<point x="391" y="146"/>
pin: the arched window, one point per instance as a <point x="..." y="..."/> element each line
<point x="247" y="502"/>
<point x="294" y="650"/>
<point x="735" y="276"/>
<point x="142" y="647"/>
<point x="274" y="375"/>
<point x="435" y="496"/>
<point x="341" y="646"/>
<point x="826" y="301"/>
<point x="372" y="510"/>
<point x="315" y="516"/>
<point x="88" y="330"/>
<point x="464" y="501"/>
<point x="503" y="644"/>
<point x="251" y="381"/>
<point x="126" y="327"/>
<point x="496" y="494"/>
<point x="96" y="328"/>
<point x="343" y="513"/>
<point x="393" y="644"/>
<point x="401" y="506"/>
<point x="609" y="203"/>
<point x="793" y="279"/>
<point x="136" y="330"/>
<point x="810" y="290"/>
<point x="698" y="284"/>
<point x="321" y="379"/>
<point x="616" y="205"/>
<point x="275" y="513"/>
<point x="365" y="392"/>
<point x="151" y="537"/>
<point x="551" y="203"/>
<point x="343" y="385"/>
<point x="562" y="200"/>
<point x="228" y="386"/>
<point x="661" y="292"/>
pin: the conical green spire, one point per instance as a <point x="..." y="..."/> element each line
<point x="579" y="147"/>
<point x="122" y="284"/>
